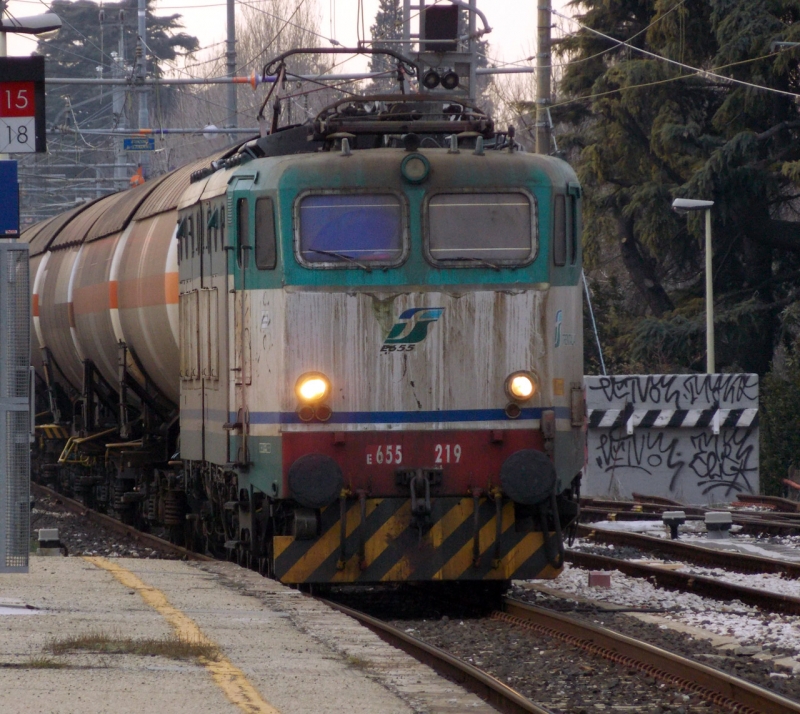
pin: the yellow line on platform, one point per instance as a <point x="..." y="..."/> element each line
<point x="225" y="674"/>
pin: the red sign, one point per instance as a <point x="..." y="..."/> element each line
<point x="17" y="99"/>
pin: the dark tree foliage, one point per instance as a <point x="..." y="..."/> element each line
<point x="84" y="43"/>
<point x="648" y="131"/>
<point x="779" y="421"/>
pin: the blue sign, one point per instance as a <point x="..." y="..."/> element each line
<point x="139" y="143"/>
<point x="9" y="199"/>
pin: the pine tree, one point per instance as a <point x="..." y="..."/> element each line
<point x="388" y="26"/>
<point x="645" y="130"/>
<point x="83" y="44"/>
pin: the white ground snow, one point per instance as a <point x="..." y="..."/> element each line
<point x="747" y="624"/>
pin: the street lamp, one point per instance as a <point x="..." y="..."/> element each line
<point x="687" y="205"/>
<point x="36" y="25"/>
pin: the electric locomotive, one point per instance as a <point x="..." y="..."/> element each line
<point x="345" y="352"/>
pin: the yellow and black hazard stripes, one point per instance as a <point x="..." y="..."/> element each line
<point x="390" y="545"/>
<point x="52" y="431"/>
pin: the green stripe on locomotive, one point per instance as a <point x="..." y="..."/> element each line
<point x="283" y="179"/>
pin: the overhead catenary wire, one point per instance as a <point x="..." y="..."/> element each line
<point x="660" y="81"/>
<point x="705" y="74"/>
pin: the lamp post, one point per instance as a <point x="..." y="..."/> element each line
<point x="687" y="205"/>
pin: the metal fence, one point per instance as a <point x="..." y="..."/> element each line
<point x="16" y="410"/>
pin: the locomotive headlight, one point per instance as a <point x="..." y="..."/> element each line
<point x="520" y="386"/>
<point x="312" y="387"/>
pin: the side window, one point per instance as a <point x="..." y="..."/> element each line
<point x="190" y="242"/>
<point x="560" y="231"/>
<point x="243" y="230"/>
<point x="181" y="236"/>
<point x="572" y="215"/>
<point x="265" y="234"/>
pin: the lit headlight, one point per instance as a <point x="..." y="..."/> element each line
<point x="312" y="387"/>
<point x="520" y="386"/>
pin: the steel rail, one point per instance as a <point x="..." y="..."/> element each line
<point x="737" y="562"/>
<point x="721" y="688"/>
<point x="601" y="513"/>
<point x="118" y="526"/>
<point x="643" y="506"/>
<point x="491" y="690"/>
<point x="783" y="505"/>
<point x="688" y="582"/>
<point x="752" y="522"/>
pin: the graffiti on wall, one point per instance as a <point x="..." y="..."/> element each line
<point x="689" y="463"/>
<point x="720" y="465"/>
<point x="675" y="391"/>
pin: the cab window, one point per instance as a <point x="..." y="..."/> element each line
<point x="470" y="229"/>
<point x="346" y="230"/>
<point x="265" y="235"/>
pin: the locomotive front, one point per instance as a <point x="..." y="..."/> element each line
<point x="405" y="344"/>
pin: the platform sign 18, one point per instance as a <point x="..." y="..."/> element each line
<point x="22" y="124"/>
<point x="17" y="117"/>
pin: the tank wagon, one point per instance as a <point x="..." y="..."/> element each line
<point x="349" y="351"/>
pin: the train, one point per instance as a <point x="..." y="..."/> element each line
<point x="348" y="351"/>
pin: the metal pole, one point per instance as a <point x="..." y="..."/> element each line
<point x="144" y="118"/>
<point x="407" y="26"/>
<point x="118" y="106"/>
<point x="473" y="51"/>
<point x="710" y="359"/>
<point x="3" y="53"/>
<point x="594" y="324"/>
<point x="231" y="57"/>
<point x="543" y="67"/>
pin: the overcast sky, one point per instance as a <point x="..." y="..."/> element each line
<point x="513" y="22"/>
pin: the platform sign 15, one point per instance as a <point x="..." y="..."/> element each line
<point x="22" y="122"/>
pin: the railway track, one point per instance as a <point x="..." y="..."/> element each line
<point x="724" y="690"/>
<point x="698" y="554"/>
<point x="118" y="526"/>
<point x="499" y="695"/>
<point x="783" y="518"/>
<point x="727" y="692"/>
<point x="689" y="582"/>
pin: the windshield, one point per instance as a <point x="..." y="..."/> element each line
<point x="350" y="230"/>
<point x="474" y="230"/>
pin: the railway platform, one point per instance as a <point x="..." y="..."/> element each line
<point x="91" y="634"/>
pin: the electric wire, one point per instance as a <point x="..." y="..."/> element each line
<point x="705" y="74"/>
<point x="661" y="81"/>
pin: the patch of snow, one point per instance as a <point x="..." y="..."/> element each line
<point x="749" y="625"/>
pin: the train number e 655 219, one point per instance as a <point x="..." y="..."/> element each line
<point x="379" y="454"/>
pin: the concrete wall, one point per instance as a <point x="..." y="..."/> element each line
<point x="692" y="438"/>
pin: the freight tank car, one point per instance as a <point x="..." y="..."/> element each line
<point x="343" y="352"/>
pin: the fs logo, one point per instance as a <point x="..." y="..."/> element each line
<point x="559" y="320"/>
<point x="411" y="328"/>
